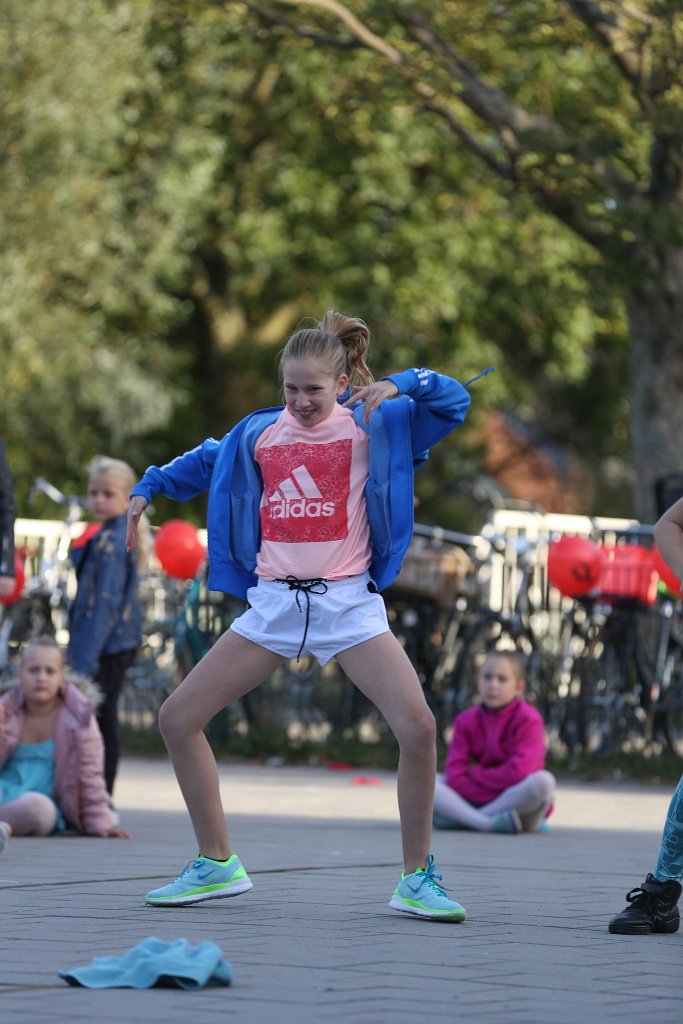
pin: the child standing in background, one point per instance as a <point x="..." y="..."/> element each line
<point x="106" y="620"/>
<point x="494" y="778"/>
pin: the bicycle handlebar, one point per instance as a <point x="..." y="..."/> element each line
<point x="43" y="486"/>
<point x="489" y="541"/>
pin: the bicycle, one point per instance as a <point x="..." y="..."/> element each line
<point x="181" y="621"/>
<point x="520" y="624"/>
<point x="615" y="682"/>
<point x="44" y="605"/>
<point x="435" y="595"/>
<point x="665" y="711"/>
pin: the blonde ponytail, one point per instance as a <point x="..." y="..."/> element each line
<point x="339" y="341"/>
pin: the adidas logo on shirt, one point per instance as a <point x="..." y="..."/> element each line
<point x="298" y="497"/>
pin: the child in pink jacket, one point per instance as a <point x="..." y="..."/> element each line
<point x="494" y="778"/>
<point x="51" y="753"/>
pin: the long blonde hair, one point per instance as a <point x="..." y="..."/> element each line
<point x="339" y="341"/>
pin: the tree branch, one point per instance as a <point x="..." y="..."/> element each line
<point x="612" y="35"/>
<point x="324" y="38"/>
<point x="354" y="25"/>
<point x="488" y="103"/>
<point x="519" y="131"/>
<point x="502" y="170"/>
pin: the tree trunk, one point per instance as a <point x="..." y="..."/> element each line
<point x="655" y="313"/>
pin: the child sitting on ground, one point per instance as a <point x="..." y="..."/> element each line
<point x="494" y="778"/>
<point x="51" y="753"/>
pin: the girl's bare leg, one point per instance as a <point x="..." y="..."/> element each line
<point x="381" y="669"/>
<point x="531" y="798"/>
<point x="31" y="814"/>
<point x="454" y="806"/>
<point x="232" y="667"/>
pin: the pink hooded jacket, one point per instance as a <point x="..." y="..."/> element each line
<point x="79" y="788"/>
<point x="491" y="750"/>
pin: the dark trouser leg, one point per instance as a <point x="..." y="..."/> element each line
<point x="110" y="674"/>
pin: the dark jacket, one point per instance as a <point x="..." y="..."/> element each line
<point x="106" y="616"/>
<point x="8" y="512"/>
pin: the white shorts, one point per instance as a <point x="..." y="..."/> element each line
<point x="346" y="614"/>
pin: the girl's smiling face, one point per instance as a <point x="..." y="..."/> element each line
<point x="310" y="391"/>
<point x="107" y="497"/>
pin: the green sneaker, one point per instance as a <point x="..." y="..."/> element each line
<point x="507" y="821"/>
<point x="443" y="821"/>
<point x="420" y="893"/>
<point x="203" y="879"/>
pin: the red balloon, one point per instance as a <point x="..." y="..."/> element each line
<point x="665" y="573"/>
<point x="574" y="565"/>
<point x="179" y="549"/>
<point x="19" y="578"/>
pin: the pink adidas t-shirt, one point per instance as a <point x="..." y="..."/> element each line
<point x="313" y="518"/>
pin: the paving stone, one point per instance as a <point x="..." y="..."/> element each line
<point x="315" y="940"/>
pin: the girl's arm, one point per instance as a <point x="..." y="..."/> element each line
<point x="526" y="755"/>
<point x="459" y="755"/>
<point x="372" y="396"/>
<point x="184" y="477"/>
<point x="439" y="405"/>
<point x="668" y="533"/>
<point x="181" y="479"/>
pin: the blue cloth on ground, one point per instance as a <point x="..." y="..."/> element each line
<point x="154" y="963"/>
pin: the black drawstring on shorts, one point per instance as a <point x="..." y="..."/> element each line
<point x="305" y="587"/>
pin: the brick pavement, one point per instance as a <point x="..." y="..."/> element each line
<point x="315" y="941"/>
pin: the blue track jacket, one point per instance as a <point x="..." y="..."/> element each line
<point x="402" y="430"/>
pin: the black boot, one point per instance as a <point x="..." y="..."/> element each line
<point x="652" y="908"/>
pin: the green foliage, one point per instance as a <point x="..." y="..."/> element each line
<point x="82" y="316"/>
<point x="185" y="183"/>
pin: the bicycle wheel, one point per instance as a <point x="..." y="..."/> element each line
<point x="669" y="710"/>
<point x="149" y="681"/>
<point x="560" y="706"/>
<point x="298" y="703"/>
<point x="614" y="687"/>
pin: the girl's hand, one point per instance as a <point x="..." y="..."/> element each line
<point x="113" y="833"/>
<point x="137" y="506"/>
<point x="372" y="396"/>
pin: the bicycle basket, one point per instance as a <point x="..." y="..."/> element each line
<point x="432" y="572"/>
<point x="628" y="574"/>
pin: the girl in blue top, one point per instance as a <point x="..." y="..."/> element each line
<point x="271" y="491"/>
